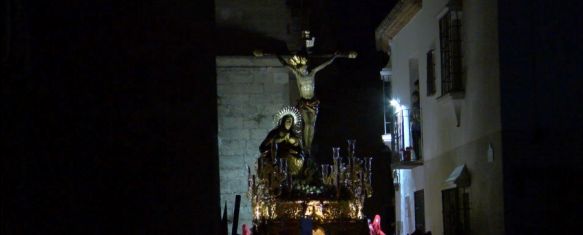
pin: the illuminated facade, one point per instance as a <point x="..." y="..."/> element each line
<point x="446" y="132"/>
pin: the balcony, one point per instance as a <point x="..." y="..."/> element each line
<point x="406" y="138"/>
<point x="406" y="164"/>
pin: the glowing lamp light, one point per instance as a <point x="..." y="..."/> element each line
<point x="396" y="105"/>
<point x="387" y="138"/>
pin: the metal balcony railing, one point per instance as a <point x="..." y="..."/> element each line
<point x="406" y="133"/>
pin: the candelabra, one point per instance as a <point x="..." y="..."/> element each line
<point x="351" y="178"/>
<point x="343" y="187"/>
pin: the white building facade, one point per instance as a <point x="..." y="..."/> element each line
<point x="451" y="182"/>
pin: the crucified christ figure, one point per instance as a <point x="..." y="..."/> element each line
<point x="307" y="104"/>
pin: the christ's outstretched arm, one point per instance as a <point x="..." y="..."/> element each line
<point x="323" y="65"/>
<point x="285" y="63"/>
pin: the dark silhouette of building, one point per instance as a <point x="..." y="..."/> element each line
<point x="109" y="113"/>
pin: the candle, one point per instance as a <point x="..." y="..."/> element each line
<point x="370" y="164"/>
<point x="351" y="147"/>
<point x="335" y="152"/>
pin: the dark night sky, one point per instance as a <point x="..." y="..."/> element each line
<point x="349" y="90"/>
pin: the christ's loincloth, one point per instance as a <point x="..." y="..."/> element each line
<point x="311" y="105"/>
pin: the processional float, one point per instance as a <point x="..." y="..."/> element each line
<point x="289" y="188"/>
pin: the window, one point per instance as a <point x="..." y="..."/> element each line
<point x="430" y="73"/>
<point x="450" y="45"/>
<point x="456" y="211"/>
<point x="400" y="136"/>
<point x="419" y="210"/>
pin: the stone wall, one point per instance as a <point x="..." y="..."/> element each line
<point x="250" y="91"/>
